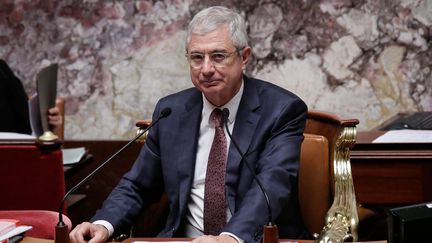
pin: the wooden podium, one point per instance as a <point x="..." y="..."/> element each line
<point x="387" y="176"/>
<point x="391" y="174"/>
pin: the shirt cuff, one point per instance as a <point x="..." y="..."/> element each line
<point x="107" y="225"/>
<point x="233" y="236"/>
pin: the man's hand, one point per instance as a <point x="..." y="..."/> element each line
<point x="214" y="239"/>
<point x="54" y="117"/>
<point x="93" y="233"/>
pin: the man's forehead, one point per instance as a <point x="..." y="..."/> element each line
<point x="208" y="50"/>
<point x="210" y="45"/>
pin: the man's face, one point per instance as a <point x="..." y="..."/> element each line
<point x="216" y="66"/>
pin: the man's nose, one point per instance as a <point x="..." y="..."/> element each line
<point x="207" y="65"/>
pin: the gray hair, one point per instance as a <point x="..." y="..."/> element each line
<point x="211" y="18"/>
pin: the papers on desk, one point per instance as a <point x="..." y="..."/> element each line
<point x="405" y="136"/>
<point x="15" y="232"/>
<point x="16" y="136"/>
<point x="73" y="155"/>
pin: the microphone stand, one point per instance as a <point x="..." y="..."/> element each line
<point x="270" y="230"/>
<point x="61" y="229"/>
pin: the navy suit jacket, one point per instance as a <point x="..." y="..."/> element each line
<point x="269" y="131"/>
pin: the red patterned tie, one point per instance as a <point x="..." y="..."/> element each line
<point x="214" y="192"/>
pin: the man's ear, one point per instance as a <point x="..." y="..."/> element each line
<point x="246" y="55"/>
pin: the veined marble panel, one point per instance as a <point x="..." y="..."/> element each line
<point x="367" y="59"/>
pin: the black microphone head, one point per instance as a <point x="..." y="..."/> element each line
<point x="165" y="112"/>
<point x="225" y="114"/>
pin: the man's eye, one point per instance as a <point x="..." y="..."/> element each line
<point x="196" y="57"/>
<point x="218" y="57"/>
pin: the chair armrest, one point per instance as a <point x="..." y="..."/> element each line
<point x="143" y="124"/>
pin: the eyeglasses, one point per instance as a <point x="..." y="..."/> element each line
<point x="218" y="58"/>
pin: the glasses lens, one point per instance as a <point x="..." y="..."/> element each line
<point x="218" y="59"/>
<point x="196" y="59"/>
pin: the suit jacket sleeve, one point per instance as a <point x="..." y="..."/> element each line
<point x="142" y="185"/>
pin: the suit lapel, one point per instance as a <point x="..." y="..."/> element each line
<point x="186" y="142"/>
<point x="245" y="124"/>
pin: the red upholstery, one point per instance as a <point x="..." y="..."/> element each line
<point x="30" y="178"/>
<point x="43" y="221"/>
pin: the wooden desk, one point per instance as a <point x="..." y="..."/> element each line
<point x="130" y="240"/>
<point x="35" y="240"/>
<point x="391" y="174"/>
<point x="188" y="240"/>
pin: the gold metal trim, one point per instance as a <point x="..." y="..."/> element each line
<point x="48" y="136"/>
<point x="143" y="137"/>
<point x="342" y="217"/>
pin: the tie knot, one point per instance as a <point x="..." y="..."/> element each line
<point x="216" y="117"/>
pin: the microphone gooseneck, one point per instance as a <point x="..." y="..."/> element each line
<point x="164" y="113"/>
<point x="225" y="115"/>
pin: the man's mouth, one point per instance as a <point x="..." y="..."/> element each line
<point x="209" y="82"/>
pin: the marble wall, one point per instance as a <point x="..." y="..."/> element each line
<point x="365" y="59"/>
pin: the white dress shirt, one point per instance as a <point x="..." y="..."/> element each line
<point x="195" y="215"/>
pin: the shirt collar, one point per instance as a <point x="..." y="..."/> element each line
<point x="231" y="105"/>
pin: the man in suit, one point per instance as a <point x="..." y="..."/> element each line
<point x="267" y="123"/>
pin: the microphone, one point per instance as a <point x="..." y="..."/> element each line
<point x="61" y="229"/>
<point x="270" y="234"/>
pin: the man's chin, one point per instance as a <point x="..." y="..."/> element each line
<point x="211" y="89"/>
